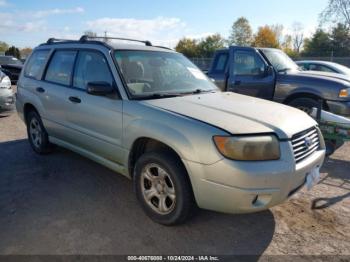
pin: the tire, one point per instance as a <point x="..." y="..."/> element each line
<point x="304" y="103"/>
<point x="169" y="182"/>
<point x="37" y="135"/>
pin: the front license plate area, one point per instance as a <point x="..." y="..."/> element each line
<point x="312" y="178"/>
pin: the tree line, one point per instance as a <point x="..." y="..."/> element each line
<point x="14" y="51"/>
<point x="334" y="41"/>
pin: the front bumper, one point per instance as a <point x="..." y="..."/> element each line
<point x="7" y="100"/>
<point x="242" y="187"/>
<point x="339" y="107"/>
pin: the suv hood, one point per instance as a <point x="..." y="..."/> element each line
<point x="238" y="114"/>
<point x="325" y="77"/>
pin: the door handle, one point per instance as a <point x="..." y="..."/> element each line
<point x="40" y="89"/>
<point x="74" y="99"/>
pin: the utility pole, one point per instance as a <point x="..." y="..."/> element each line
<point x="332" y="53"/>
<point x="105" y="36"/>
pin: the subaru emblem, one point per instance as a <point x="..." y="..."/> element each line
<point x="308" y="142"/>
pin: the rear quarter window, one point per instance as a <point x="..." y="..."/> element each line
<point x="220" y="63"/>
<point x="36" y="64"/>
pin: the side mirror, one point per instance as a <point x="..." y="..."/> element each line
<point x="268" y="70"/>
<point x="99" y="88"/>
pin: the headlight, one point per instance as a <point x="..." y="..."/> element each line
<point x="344" y="92"/>
<point x="249" y="148"/>
<point x="5" y="82"/>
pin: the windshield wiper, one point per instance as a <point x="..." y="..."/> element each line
<point x="199" y="91"/>
<point x="168" y="95"/>
<point x="157" y="96"/>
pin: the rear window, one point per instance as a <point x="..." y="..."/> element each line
<point x="60" y="68"/>
<point x="36" y="64"/>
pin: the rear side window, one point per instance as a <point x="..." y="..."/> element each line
<point x="220" y="63"/>
<point x="36" y="64"/>
<point x="91" y="67"/>
<point x="60" y="68"/>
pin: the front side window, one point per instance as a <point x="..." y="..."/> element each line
<point x="150" y="72"/>
<point x="247" y="63"/>
<point x="36" y="64"/>
<point x="91" y="67"/>
<point x="60" y="67"/>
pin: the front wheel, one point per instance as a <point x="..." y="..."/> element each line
<point x="163" y="189"/>
<point x="304" y="103"/>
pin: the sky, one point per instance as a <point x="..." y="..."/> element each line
<point x="29" y="23"/>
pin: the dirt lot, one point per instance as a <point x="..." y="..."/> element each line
<point x="65" y="204"/>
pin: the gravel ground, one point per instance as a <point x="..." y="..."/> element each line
<point x="63" y="203"/>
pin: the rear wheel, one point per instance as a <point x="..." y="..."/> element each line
<point x="163" y="189"/>
<point x="37" y="135"/>
<point x="304" y="103"/>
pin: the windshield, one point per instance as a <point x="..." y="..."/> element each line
<point x="150" y="73"/>
<point x="279" y="60"/>
<point x="343" y="69"/>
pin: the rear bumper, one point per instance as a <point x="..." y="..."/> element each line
<point x="243" y="187"/>
<point x="339" y="107"/>
<point x="7" y="100"/>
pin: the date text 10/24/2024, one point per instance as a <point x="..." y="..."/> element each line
<point x="173" y="258"/>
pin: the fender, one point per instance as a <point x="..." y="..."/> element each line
<point x="174" y="138"/>
<point x="302" y="91"/>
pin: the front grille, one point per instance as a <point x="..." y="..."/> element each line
<point x="305" y="143"/>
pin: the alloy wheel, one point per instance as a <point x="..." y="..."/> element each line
<point x="158" y="189"/>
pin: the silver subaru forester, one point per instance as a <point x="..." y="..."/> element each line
<point x="148" y="113"/>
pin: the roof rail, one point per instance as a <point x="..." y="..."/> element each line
<point x="87" y="37"/>
<point x="55" y="40"/>
<point x="164" y="47"/>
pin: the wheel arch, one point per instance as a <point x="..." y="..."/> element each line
<point x="304" y="94"/>
<point x="28" y="107"/>
<point x="147" y="144"/>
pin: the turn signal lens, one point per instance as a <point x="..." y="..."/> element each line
<point x="344" y="92"/>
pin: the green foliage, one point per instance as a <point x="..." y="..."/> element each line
<point x="319" y="44"/>
<point x="336" y="43"/>
<point x="188" y="47"/>
<point x="208" y="45"/>
<point x="241" y="33"/>
<point x="340" y="37"/>
<point x="202" y="48"/>
<point x="3" y="46"/>
<point x="13" y="51"/>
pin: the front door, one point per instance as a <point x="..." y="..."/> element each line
<point x="95" y="122"/>
<point x="249" y="74"/>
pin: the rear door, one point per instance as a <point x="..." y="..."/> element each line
<point x="53" y="91"/>
<point x="95" y="122"/>
<point x="248" y="73"/>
